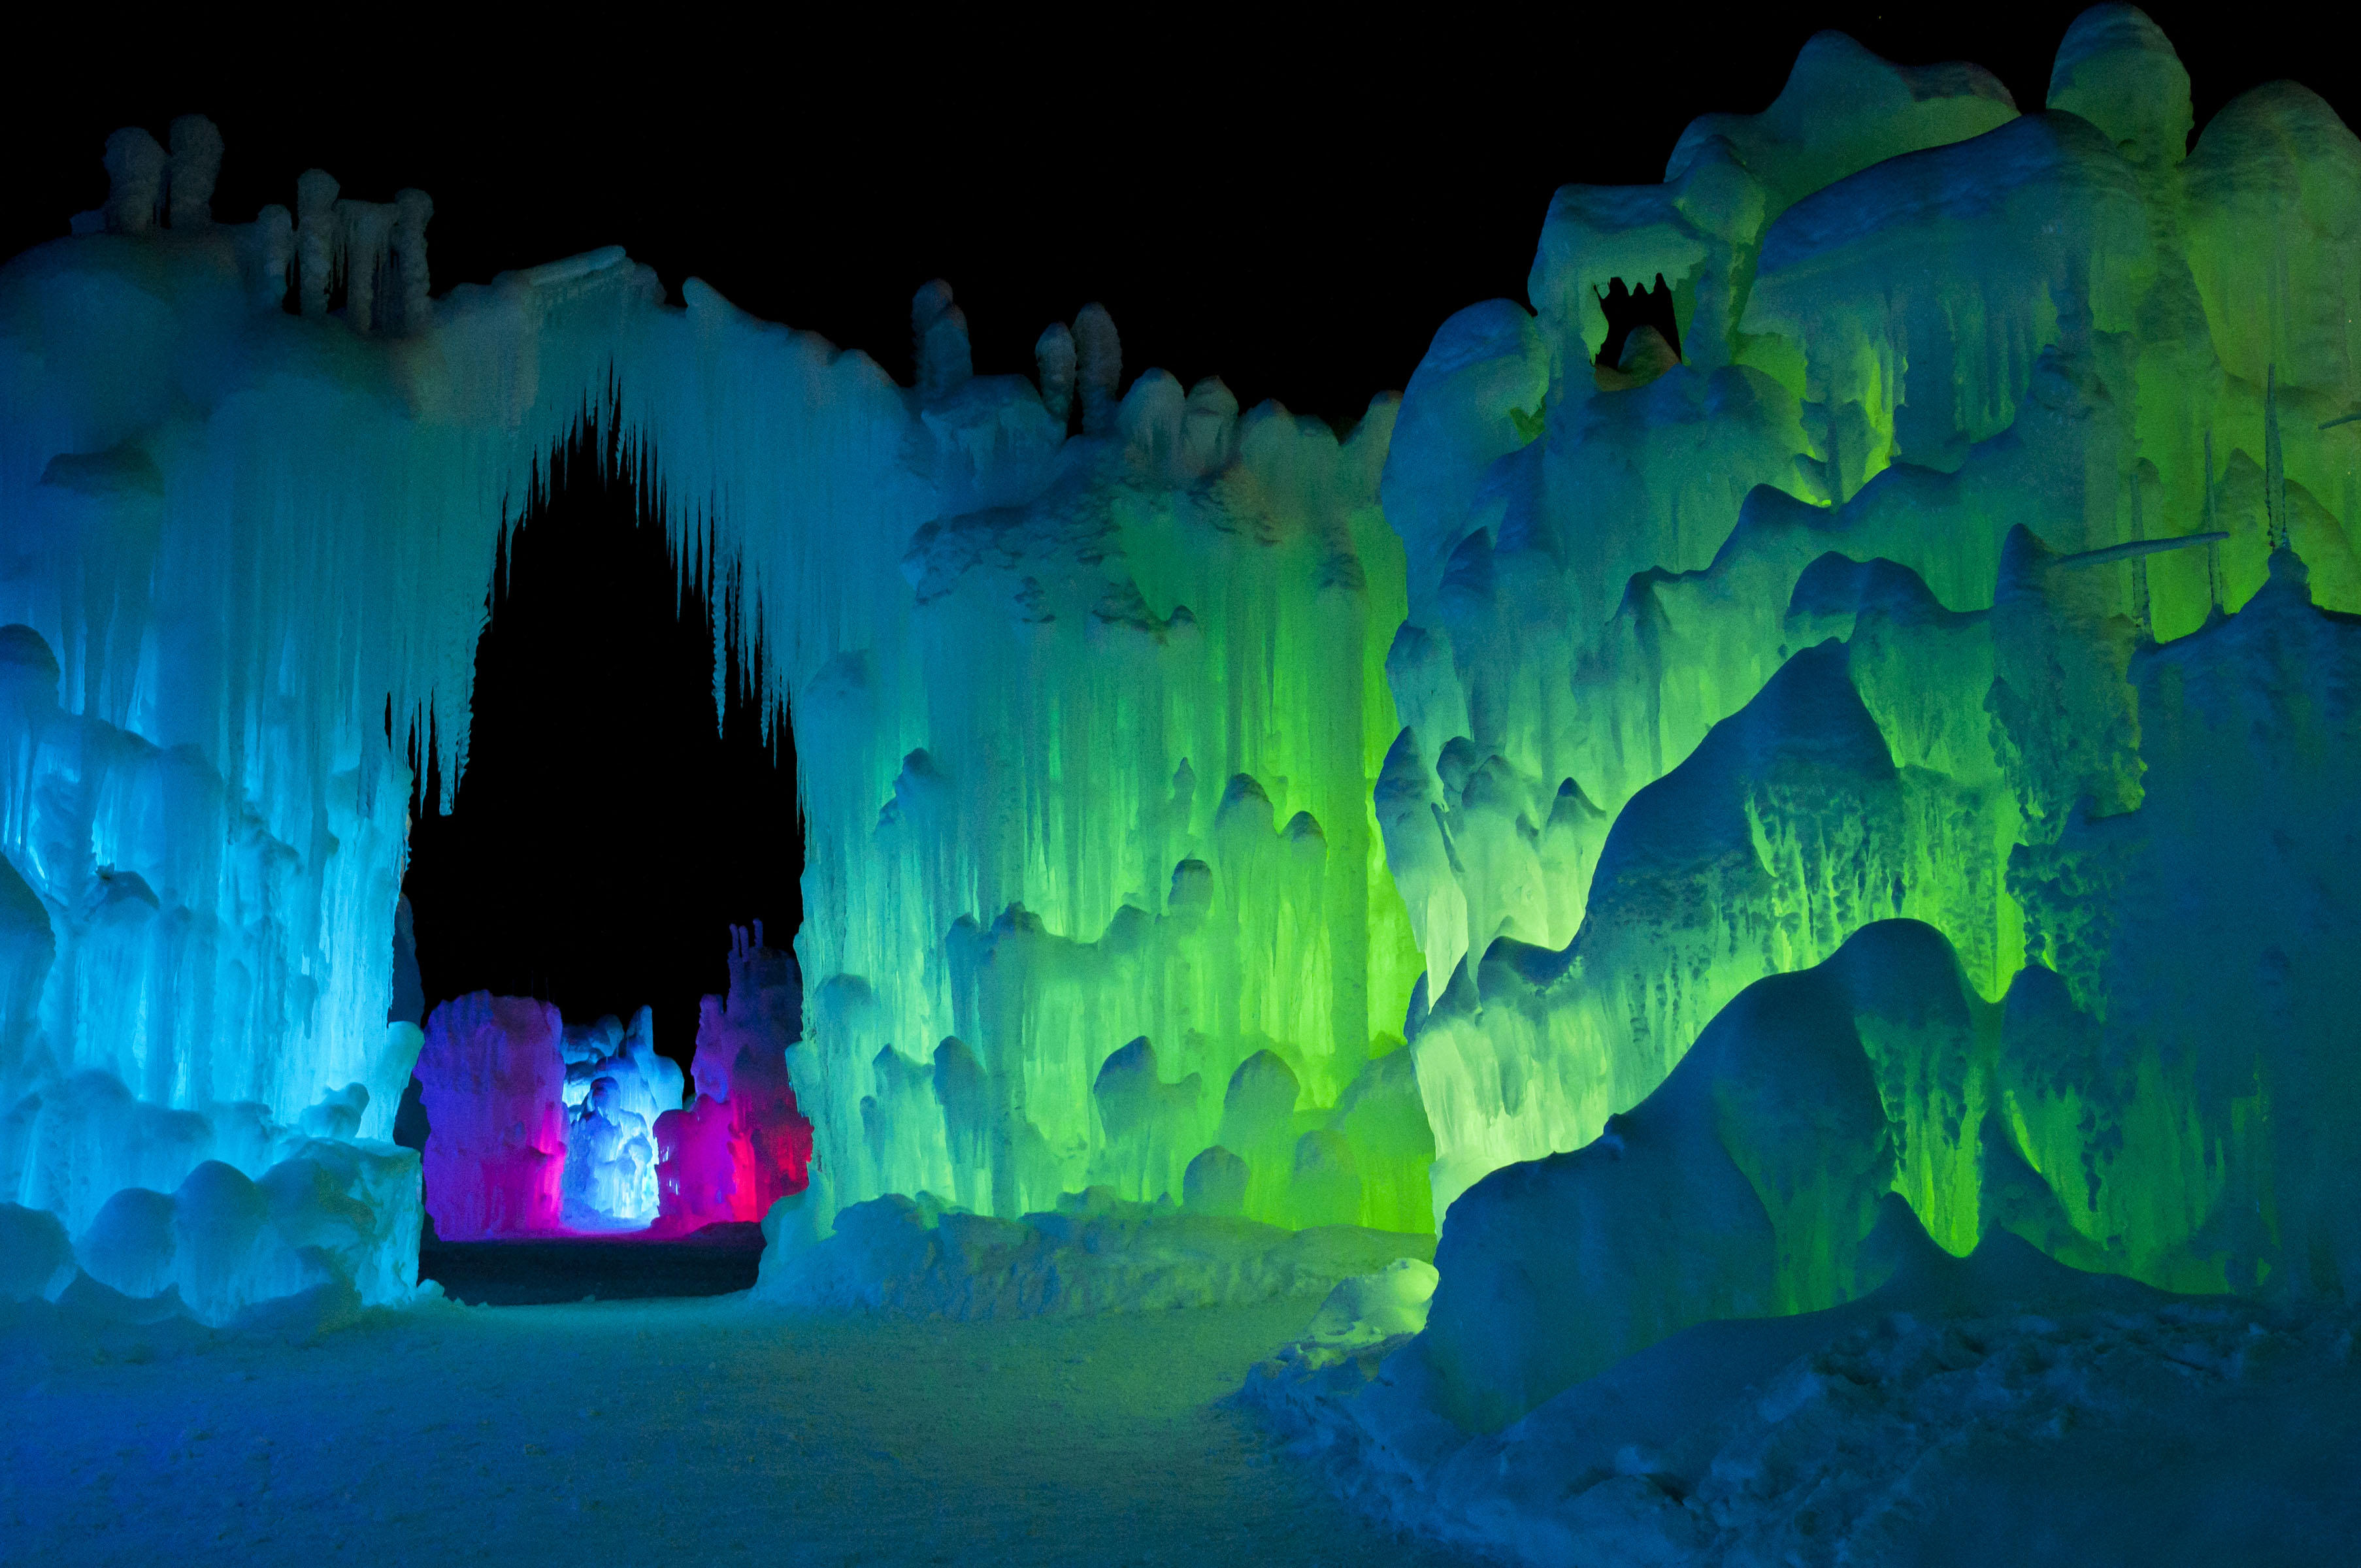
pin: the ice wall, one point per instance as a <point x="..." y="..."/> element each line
<point x="1913" y="322"/>
<point x="617" y="1087"/>
<point x="492" y="1076"/>
<point x="2164" y="1091"/>
<point x="1091" y="718"/>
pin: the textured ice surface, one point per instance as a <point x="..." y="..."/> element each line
<point x="543" y="1128"/>
<point x="742" y="1145"/>
<point x="904" y="1257"/>
<point x="1928" y="878"/>
<point x="616" y="1087"/>
<point x="1092" y="720"/>
<point x="1914" y="321"/>
<point x="492" y="1077"/>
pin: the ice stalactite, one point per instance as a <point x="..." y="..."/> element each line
<point x="616" y="1089"/>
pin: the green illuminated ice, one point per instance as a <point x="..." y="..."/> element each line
<point x="1932" y="700"/>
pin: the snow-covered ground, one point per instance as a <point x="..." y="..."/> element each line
<point x="643" y="1432"/>
<point x="1996" y="1410"/>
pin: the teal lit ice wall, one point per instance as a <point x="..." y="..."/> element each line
<point x="1089" y="723"/>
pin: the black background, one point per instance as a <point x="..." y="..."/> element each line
<point x="1291" y="202"/>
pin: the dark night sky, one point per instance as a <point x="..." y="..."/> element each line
<point x="1293" y="211"/>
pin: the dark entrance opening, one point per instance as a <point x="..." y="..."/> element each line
<point x="1627" y="309"/>
<point x="606" y="832"/>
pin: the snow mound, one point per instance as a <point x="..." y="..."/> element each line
<point x="324" y="1230"/>
<point x="1997" y="1407"/>
<point x="35" y="1260"/>
<point x="917" y="1257"/>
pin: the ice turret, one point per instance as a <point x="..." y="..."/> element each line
<point x="135" y="181"/>
<point x="2118" y="69"/>
<point x="1099" y="367"/>
<point x="366" y="230"/>
<point x="319" y="239"/>
<point x="1054" y="357"/>
<point x="195" y="167"/>
<point x="939" y="330"/>
<point x="412" y="211"/>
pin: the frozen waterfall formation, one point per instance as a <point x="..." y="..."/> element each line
<point x="1900" y="743"/>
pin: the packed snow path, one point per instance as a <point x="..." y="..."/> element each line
<point x="659" y="1430"/>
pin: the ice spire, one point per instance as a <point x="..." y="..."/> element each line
<point x="1101" y="354"/>
<point x="939" y="330"/>
<point x="2275" y="517"/>
<point x="273" y="254"/>
<point x="135" y="181"/>
<point x="412" y="211"/>
<point x="316" y="234"/>
<point x="195" y="166"/>
<point x="1053" y="355"/>
<point x="2213" y="551"/>
<point x="369" y="233"/>
<point x="2139" y="562"/>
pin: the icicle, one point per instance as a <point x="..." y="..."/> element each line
<point x="271" y="255"/>
<point x="2213" y="552"/>
<point x="2275" y="502"/>
<point x="2139" y="564"/>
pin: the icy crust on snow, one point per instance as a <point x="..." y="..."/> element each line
<point x="1913" y="324"/>
<point x="1095" y="1253"/>
<point x="1910" y="1425"/>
